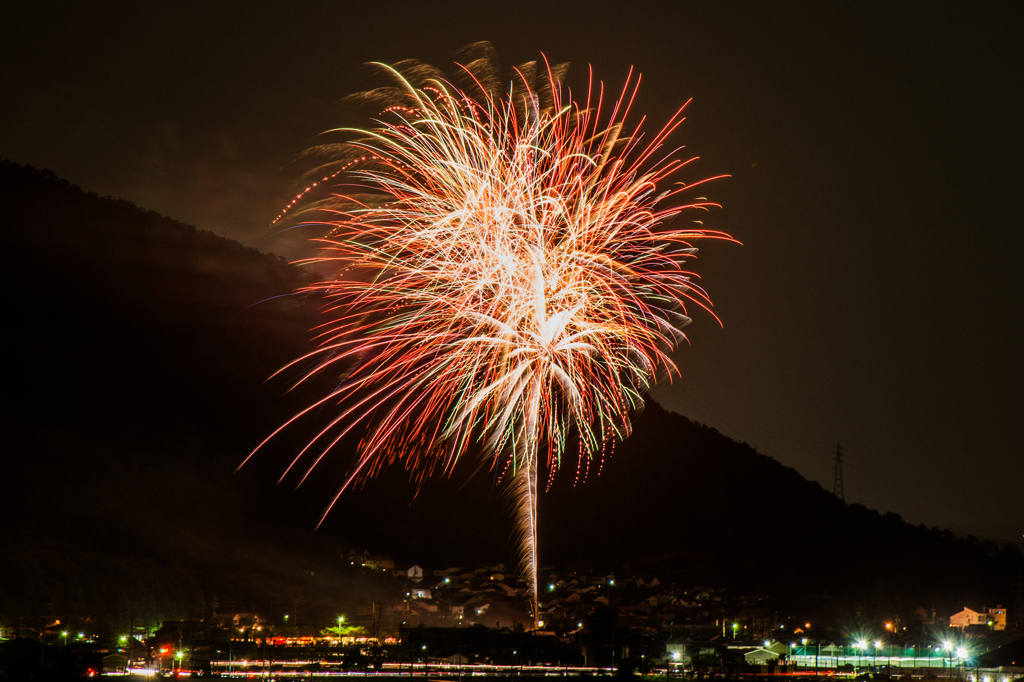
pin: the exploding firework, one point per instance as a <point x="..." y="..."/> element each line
<point x="509" y="276"/>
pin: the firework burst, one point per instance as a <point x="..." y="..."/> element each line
<point x="509" y="276"/>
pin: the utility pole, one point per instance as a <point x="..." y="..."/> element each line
<point x="837" y="484"/>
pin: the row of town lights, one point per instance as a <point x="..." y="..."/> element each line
<point x="961" y="652"/>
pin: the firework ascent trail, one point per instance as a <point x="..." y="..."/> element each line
<point x="509" y="277"/>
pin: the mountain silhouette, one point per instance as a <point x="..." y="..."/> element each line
<point x="139" y="352"/>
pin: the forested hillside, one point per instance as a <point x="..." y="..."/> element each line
<point x="138" y="354"/>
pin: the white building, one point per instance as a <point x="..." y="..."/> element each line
<point x="993" y="618"/>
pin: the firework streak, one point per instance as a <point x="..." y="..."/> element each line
<point x="510" y="275"/>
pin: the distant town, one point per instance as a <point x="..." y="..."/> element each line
<point x="456" y="621"/>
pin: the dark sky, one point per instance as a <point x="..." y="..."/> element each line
<point x="875" y="150"/>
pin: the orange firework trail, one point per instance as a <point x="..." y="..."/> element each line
<point x="510" y="275"/>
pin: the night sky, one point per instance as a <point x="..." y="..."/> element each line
<point x="876" y="158"/>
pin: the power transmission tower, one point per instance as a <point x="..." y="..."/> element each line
<point x="837" y="484"/>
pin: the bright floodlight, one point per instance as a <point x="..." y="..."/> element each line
<point x="878" y="644"/>
<point x="861" y="644"/>
<point x="948" y="646"/>
<point x="961" y="652"/>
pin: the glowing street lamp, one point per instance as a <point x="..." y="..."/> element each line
<point x="860" y="645"/>
<point x="947" y="646"/>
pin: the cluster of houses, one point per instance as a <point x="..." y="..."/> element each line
<point x="495" y="596"/>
